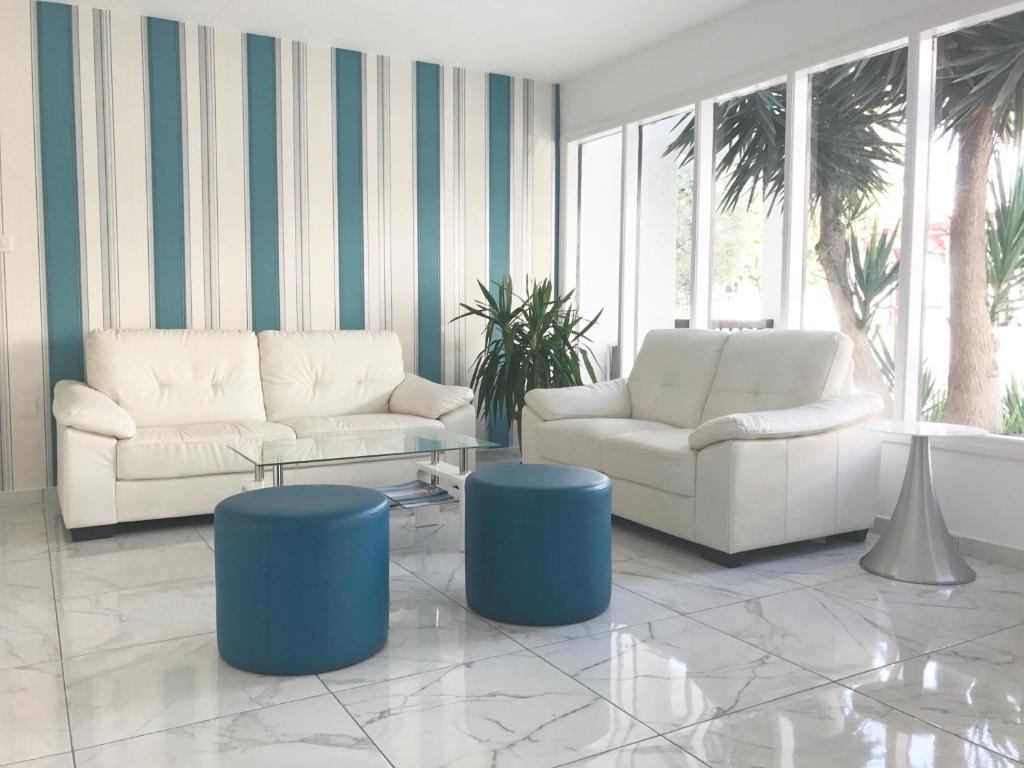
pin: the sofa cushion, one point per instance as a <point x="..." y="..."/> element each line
<point x="767" y="370"/>
<point x="578" y="441"/>
<point x="192" y="449"/>
<point x="659" y="458"/>
<point x="358" y="422"/>
<point x="328" y="373"/>
<point x="672" y="375"/>
<point x="167" y="377"/>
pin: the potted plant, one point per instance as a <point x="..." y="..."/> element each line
<point x="534" y="341"/>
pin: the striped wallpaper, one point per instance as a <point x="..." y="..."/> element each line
<point x="164" y="174"/>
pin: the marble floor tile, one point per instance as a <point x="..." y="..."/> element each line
<point x="812" y="563"/>
<point x="831" y="726"/>
<point x="975" y="690"/>
<point x="53" y="761"/>
<point x="437" y="527"/>
<point x="443" y="570"/>
<point x="313" y="733"/>
<point x="676" y="672"/>
<point x="82" y="572"/>
<point x="33" y="718"/>
<point x="686" y="583"/>
<point x="126" y="617"/>
<point x="206" y="533"/>
<point x="514" y="710"/>
<point x="630" y="541"/>
<point x="826" y="634"/>
<point x="28" y="627"/>
<point x="652" y="753"/>
<point x="159" y="533"/>
<point x="22" y="533"/>
<point x="146" y="688"/>
<point x="625" y="610"/>
<point x="22" y="577"/>
<point x="427" y="632"/>
<point x="993" y="602"/>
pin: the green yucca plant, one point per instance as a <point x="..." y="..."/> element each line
<point x="1005" y="232"/>
<point x="1013" y="408"/>
<point x="537" y="341"/>
<point x="872" y="272"/>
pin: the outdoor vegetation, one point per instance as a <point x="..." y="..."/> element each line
<point x="857" y="137"/>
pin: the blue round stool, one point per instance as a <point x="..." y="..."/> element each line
<point x="302" y="578"/>
<point x="538" y="543"/>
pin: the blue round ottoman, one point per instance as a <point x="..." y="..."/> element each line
<point x="302" y="578"/>
<point x="538" y="543"/>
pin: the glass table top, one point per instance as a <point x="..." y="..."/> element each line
<point x="922" y="428"/>
<point x="356" y="445"/>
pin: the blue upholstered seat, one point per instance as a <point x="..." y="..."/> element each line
<point x="302" y="578"/>
<point x="538" y="543"/>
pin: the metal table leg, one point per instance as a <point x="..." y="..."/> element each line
<point x="435" y="458"/>
<point x="278" y="475"/>
<point x="917" y="547"/>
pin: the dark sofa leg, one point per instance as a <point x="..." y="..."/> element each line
<point x="733" y="560"/>
<point x="854" y="536"/>
<point x="90" y="532"/>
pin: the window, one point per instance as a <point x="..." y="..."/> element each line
<point x="665" y="229"/>
<point x="746" y="265"/>
<point x="856" y="138"/>
<point x="972" y="369"/>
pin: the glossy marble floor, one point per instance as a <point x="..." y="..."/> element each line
<point x="108" y="658"/>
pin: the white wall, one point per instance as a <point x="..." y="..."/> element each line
<point x="754" y="44"/>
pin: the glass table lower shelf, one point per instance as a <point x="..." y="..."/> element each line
<point x="350" y="447"/>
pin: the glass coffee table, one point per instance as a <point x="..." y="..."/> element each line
<point x="349" y="447"/>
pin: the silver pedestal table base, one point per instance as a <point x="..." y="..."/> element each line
<point x="916" y="546"/>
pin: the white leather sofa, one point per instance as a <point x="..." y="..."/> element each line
<point x="734" y="441"/>
<point x="147" y="434"/>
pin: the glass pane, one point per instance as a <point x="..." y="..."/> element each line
<point x="746" y="268"/>
<point x="973" y="325"/>
<point x="857" y="136"/>
<point x="599" y="236"/>
<point x="665" y="252"/>
<point x="356" y="445"/>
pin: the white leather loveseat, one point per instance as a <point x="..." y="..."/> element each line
<point x="148" y="433"/>
<point x="735" y="441"/>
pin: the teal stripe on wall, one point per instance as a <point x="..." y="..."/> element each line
<point x="348" y="80"/>
<point x="499" y="196"/>
<point x="261" y="79"/>
<point x="428" y="219"/>
<point x="164" y="61"/>
<point x="58" y="165"/>
<point x="557" y="276"/>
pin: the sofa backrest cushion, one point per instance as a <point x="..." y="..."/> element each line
<point x="768" y="370"/>
<point x="672" y="375"/>
<point x="329" y="373"/>
<point x="168" y="377"/>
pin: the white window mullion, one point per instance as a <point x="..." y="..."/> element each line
<point x="797" y="177"/>
<point x="628" y="257"/>
<point x="703" y="212"/>
<point x="913" y="238"/>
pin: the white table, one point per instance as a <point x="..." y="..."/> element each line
<point x="916" y="546"/>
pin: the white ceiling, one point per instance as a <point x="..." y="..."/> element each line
<point x="543" y="39"/>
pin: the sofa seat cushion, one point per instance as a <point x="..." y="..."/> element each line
<point x="658" y="458"/>
<point x="192" y="449"/>
<point x="578" y="441"/>
<point x="359" y="422"/>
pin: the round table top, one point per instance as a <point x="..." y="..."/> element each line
<point x="923" y="428"/>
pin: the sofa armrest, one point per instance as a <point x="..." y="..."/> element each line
<point x="603" y="399"/>
<point x="417" y="396"/>
<point x="80" y="407"/>
<point x="807" y="419"/>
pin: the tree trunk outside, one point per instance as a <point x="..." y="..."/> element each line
<point x="973" y="395"/>
<point x="831" y="251"/>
